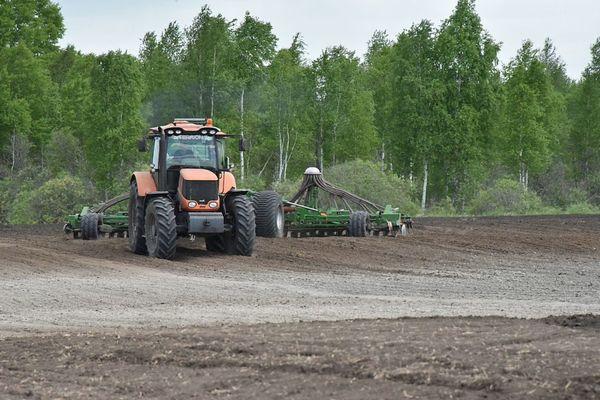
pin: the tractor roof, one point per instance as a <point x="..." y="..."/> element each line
<point x="183" y="126"/>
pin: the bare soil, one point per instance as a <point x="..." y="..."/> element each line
<point x="308" y="318"/>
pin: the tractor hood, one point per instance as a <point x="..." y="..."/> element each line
<point x="198" y="174"/>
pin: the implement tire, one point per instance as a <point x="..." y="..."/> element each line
<point x="161" y="228"/>
<point x="268" y="209"/>
<point x="136" y="216"/>
<point x="359" y="224"/>
<point x="90" y="226"/>
<point x="240" y="240"/>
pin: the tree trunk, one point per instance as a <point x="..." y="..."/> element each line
<point x="280" y="140"/>
<point x="320" y="149"/>
<point x="382" y="156"/>
<point x="319" y="144"/>
<point x="425" y="181"/>
<point x="334" y="131"/>
<point x="242" y="161"/>
<point x="13" y="145"/>
<point x="212" y="90"/>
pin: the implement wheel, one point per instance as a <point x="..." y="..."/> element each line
<point x="359" y="225"/>
<point x="240" y="240"/>
<point x="136" y="220"/>
<point x="90" y="226"/>
<point x="268" y="209"/>
<point x="161" y="229"/>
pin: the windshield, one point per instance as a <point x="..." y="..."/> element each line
<point x="192" y="151"/>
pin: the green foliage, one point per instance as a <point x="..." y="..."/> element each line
<point x="343" y="108"/>
<point x="585" y="134"/>
<point x="365" y="179"/>
<point x="36" y="24"/>
<point x="506" y="196"/>
<point x="115" y="123"/>
<point x="582" y="208"/>
<point x="442" y="208"/>
<point x="50" y="202"/>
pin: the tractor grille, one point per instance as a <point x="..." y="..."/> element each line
<point x="200" y="191"/>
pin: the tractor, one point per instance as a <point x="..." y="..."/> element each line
<point x="189" y="191"/>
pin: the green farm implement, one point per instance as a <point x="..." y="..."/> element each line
<point x="321" y="209"/>
<point x="94" y="221"/>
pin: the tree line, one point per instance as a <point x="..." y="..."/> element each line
<point x="431" y="106"/>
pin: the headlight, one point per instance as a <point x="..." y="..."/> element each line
<point x="192" y="204"/>
<point x="213" y="204"/>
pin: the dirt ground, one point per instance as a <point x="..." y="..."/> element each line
<point x="308" y="318"/>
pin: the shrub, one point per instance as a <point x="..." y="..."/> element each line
<point x="506" y="196"/>
<point x="364" y="179"/>
<point x="50" y="202"/>
<point x="443" y="208"/>
<point x="582" y="208"/>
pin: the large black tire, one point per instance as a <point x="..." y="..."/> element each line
<point x="137" y="219"/>
<point x="241" y="239"/>
<point x="90" y="226"/>
<point x="268" y="209"/>
<point x="359" y="224"/>
<point x="161" y="228"/>
<point x="216" y="244"/>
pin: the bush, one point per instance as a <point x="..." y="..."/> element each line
<point x="366" y="180"/>
<point x="506" y="196"/>
<point x="582" y="208"/>
<point x="51" y="202"/>
<point x="443" y="208"/>
<point x="287" y="188"/>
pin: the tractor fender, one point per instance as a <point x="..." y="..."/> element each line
<point x="236" y="192"/>
<point x="145" y="182"/>
<point x="227" y="183"/>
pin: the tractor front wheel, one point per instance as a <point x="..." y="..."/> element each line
<point x="161" y="228"/>
<point x="136" y="219"/>
<point x="359" y="225"/>
<point x="268" y="209"/>
<point x="241" y="239"/>
<point x="90" y="226"/>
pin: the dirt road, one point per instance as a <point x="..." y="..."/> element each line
<point x="92" y="320"/>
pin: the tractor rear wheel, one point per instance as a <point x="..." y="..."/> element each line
<point x="90" y="226"/>
<point x="359" y="224"/>
<point x="161" y="228"/>
<point x="268" y="209"/>
<point x="241" y="239"/>
<point x="136" y="218"/>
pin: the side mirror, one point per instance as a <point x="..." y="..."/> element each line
<point x="243" y="144"/>
<point x="142" y="145"/>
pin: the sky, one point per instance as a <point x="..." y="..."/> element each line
<point x="97" y="26"/>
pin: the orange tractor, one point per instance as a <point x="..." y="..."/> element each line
<point x="190" y="191"/>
